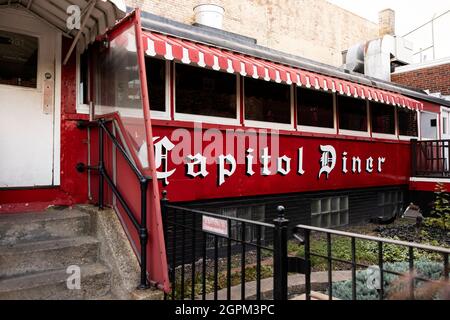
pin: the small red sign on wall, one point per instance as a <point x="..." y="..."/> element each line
<point x="215" y="225"/>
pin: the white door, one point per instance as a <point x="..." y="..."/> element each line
<point x="27" y="100"/>
<point x="445" y="135"/>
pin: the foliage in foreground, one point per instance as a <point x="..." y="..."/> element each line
<point x="366" y="253"/>
<point x="394" y="287"/>
<point x="235" y="279"/>
<point x="441" y="207"/>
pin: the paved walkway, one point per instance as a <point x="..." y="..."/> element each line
<point x="296" y="284"/>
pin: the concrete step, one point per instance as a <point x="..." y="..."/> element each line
<point x="52" y="285"/>
<point x="22" y="258"/>
<point x="50" y="224"/>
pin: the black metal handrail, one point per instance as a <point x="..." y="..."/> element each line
<point x="306" y="231"/>
<point x="141" y="227"/>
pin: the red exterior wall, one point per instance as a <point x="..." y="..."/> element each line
<point x="435" y="79"/>
<point x="395" y="170"/>
<point x="73" y="186"/>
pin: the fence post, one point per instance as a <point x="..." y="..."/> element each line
<point x="280" y="262"/>
<point x="164" y="211"/>
<point x="101" y="165"/>
<point x="143" y="235"/>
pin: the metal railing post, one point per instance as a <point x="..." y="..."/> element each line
<point x="101" y="165"/>
<point x="280" y="260"/>
<point x="143" y="235"/>
<point x="307" y="234"/>
<point x="164" y="210"/>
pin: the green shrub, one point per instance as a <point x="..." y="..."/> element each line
<point x="441" y="207"/>
<point x="425" y="269"/>
<point x="366" y="252"/>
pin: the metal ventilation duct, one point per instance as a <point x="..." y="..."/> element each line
<point x="354" y="60"/>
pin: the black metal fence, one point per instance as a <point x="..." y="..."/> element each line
<point x="430" y="158"/>
<point x="307" y="235"/>
<point x="213" y="256"/>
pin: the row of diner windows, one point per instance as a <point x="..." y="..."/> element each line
<point x="211" y="96"/>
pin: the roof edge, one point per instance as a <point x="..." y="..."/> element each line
<point x="156" y="23"/>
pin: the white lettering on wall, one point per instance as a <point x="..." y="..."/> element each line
<point x="224" y="172"/>
<point x="162" y="148"/>
<point x="356" y="164"/>
<point x="270" y="163"/>
<point x="380" y="163"/>
<point x="344" y="162"/>
<point x="369" y="165"/>
<point x="197" y="160"/>
<point x="328" y="160"/>
<point x="249" y="162"/>
<point x="265" y="158"/>
<point x="300" y="161"/>
<point x="284" y="165"/>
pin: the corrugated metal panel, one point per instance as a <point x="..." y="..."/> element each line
<point x="104" y="15"/>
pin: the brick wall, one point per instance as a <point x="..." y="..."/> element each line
<point x="315" y="29"/>
<point x="436" y="79"/>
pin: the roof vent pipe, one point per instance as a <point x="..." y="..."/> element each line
<point x="210" y="15"/>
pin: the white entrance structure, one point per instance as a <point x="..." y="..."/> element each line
<point x="30" y="81"/>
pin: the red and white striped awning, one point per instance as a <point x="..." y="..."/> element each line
<point x="188" y="52"/>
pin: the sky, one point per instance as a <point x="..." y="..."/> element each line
<point x="409" y="13"/>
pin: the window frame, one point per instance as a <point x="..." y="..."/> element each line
<point x="81" y="108"/>
<point x="392" y="136"/>
<point x="367" y="133"/>
<point x="408" y="138"/>
<point x="267" y="124"/>
<point x="39" y="75"/>
<point x="179" y="116"/>
<point x="164" y="115"/>
<point x="313" y="129"/>
<point x="438" y="125"/>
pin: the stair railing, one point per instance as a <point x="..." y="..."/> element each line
<point x="141" y="227"/>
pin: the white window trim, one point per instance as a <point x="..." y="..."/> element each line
<point x="272" y="125"/>
<point x="81" y="108"/>
<point x="354" y="133"/>
<point x="437" y="125"/>
<point x="314" y="129"/>
<point x="124" y="112"/>
<point x="84" y="108"/>
<point x="379" y="135"/>
<point x="164" y="115"/>
<point x="207" y="119"/>
<point x="384" y="136"/>
<point x="431" y="180"/>
<point x="364" y="134"/>
<point x="408" y="138"/>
